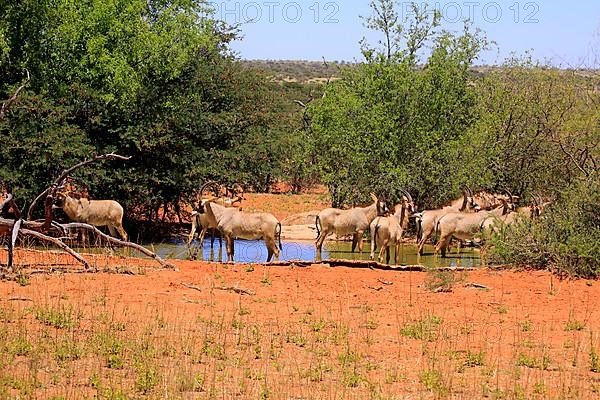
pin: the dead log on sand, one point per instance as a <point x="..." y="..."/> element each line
<point x="362" y="264"/>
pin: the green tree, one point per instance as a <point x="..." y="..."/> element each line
<point x="150" y="79"/>
<point x="538" y="127"/>
<point x="389" y="123"/>
<point x="40" y="143"/>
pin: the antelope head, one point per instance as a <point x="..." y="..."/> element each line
<point x="540" y="205"/>
<point x="381" y="204"/>
<point x="201" y="198"/>
<point x="468" y="200"/>
<point x="510" y="201"/>
<point x="408" y="203"/>
<point x="59" y="199"/>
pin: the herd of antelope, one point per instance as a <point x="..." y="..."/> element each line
<point x="463" y="219"/>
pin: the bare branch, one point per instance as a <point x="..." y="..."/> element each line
<point x="118" y="242"/>
<point x="301" y="104"/>
<point x="328" y="79"/>
<point x="11" y="244"/>
<point x="235" y="289"/>
<point x="51" y="190"/>
<point x="7" y="224"/>
<point x="6" y="106"/>
<point x="57" y="243"/>
<point x="571" y="157"/>
<point x="190" y="286"/>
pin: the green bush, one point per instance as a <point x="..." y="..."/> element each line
<point x="566" y="238"/>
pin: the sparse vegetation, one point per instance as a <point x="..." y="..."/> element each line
<point x="59" y="317"/>
<point x="255" y="346"/>
<point x="425" y="329"/>
<point x="594" y="360"/>
<point x="574" y="325"/>
<point x="157" y="80"/>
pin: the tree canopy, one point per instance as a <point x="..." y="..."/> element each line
<point x="152" y="79"/>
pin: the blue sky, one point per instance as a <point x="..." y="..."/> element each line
<point x="566" y="33"/>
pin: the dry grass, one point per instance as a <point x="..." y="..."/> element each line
<point x="314" y="333"/>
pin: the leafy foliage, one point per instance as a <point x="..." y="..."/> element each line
<point x="150" y="79"/>
<point x="538" y="127"/>
<point x="567" y="237"/>
<point x="415" y="119"/>
<point x="37" y="140"/>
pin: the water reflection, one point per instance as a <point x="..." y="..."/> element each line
<point x="255" y="252"/>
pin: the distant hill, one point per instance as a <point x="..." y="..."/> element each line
<point x="297" y="70"/>
<point x="318" y="72"/>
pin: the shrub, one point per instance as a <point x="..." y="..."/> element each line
<point x="566" y="239"/>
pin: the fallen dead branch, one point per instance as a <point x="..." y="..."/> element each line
<point x="235" y="289"/>
<point x="19" y="298"/>
<point x="190" y="286"/>
<point x="55" y="270"/>
<point x="121" y="243"/>
<point x="362" y="264"/>
<point x="54" y="241"/>
<point x="442" y="289"/>
<point x="18" y="226"/>
<point x="477" y="286"/>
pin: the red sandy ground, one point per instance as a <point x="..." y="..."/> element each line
<point x="522" y="314"/>
<point x="325" y="332"/>
<point x="285" y="205"/>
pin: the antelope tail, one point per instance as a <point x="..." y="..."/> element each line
<point x="374" y="238"/>
<point x="418" y="221"/>
<point x="278" y="233"/>
<point x="437" y="228"/>
<point x="318" y="226"/>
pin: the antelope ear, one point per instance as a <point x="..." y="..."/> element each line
<point x="374" y="197"/>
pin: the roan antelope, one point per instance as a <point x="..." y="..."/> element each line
<point x="94" y="212"/>
<point x="532" y="212"/>
<point x="427" y="220"/>
<point x="234" y="223"/>
<point x="388" y="231"/>
<point x="354" y="221"/>
<point x="203" y="222"/>
<point x="465" y="226"/>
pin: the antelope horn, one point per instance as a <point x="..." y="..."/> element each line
<point x="534" y="201"/>
<point x="207" y="185"/>
<point x="408" y="196"/>
<point x="467" y="190"/>
<point x="510" y="196"/>
<point x="62" y="183"/>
